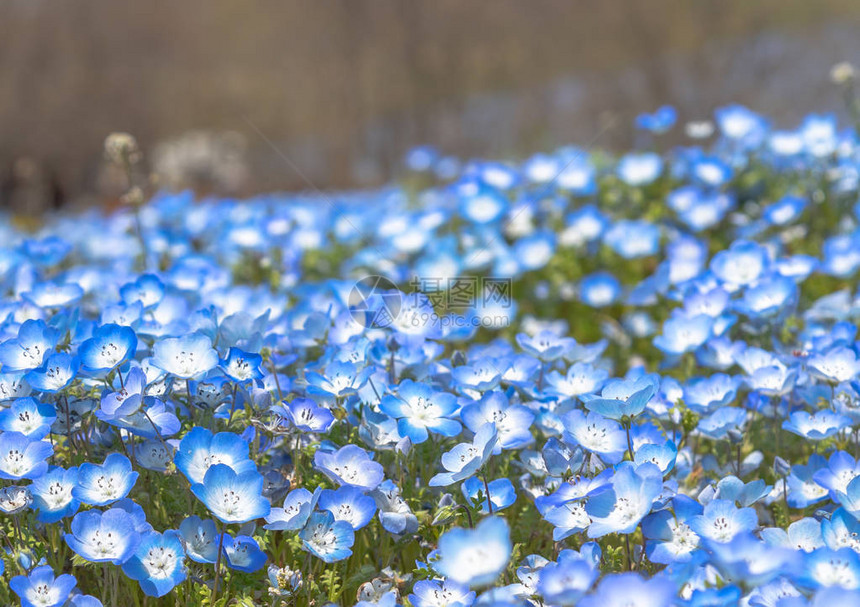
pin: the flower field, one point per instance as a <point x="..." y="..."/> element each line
<point x="574" y="379"/>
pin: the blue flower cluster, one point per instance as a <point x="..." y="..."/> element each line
<point x="649" y="394"/>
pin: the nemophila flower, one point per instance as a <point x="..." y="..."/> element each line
<point x="660" y="121"/>
<point x="839" y="364"/>
<point x="53" y="494"/>
<point x="326" y="538"/>
<point x="581" y="378"/>
<point x="721" y="521"/>
<point x="706" y="394"/>
<point x="155" y="455"/>
<point x="200" y="539"/>
<point x="545" y="345"/>
<point x="841" y="530"/>
<point x="297" y="507"/>
<point x="13" y="385"/>
<point x="742" y="264"/>
<point x="28" y="416"/>
<point x="242" y="366"/>
<point x="833" y="474"/>
<point x="28" y="351"/>
<point x="621" y="505"/>
<point x="475" y="557"/>
<point x="465" y="459"/>
<point x="394" y="512"/>
<point x="633" y="238"/>
<point x="348" y="504"/>
<point x="501" y="493"/>
<point x="306" y="415"/>
<point x="243" y="554"/>
<point x="784" y="211"/>
<point x="146" y="289"/>
<point x="56" y="374"/>
<point x="566" y="582"/>
<point x="825" y="567"/>
<point x="771" y="296"/>
<point x="662" y="455"/>
<point x="534" y="251"/>
<point x="128" y="399"/>
<point x="513" y="422"/>
<point x="595" y="433"/>
<point x="232" y="497"/>
<point x="484" y="205"/>
<point x="22" y="457"/>
<point x="741" y="125"/>
<point x="108" y="348"/>
<point x="622" y="398"/>
<point x="818" y="426"/>
<point x="199" y="450"/>
<point x="339" y="380"/>
<point x="631" y="589"/>
<point x="350" y="465"/>
<point x="154" y="420"/>
<point x="99" y="485"/>
<point x="187" y="357"/>
<point x="734" y="489"/>
<point x="15" y="499"/>
<point x="599" y="289"/>
<point x="481" y="375"/>
<point x="104" y="537"/>
<point x="670" y="538"/>
<point x="710" y="171"/>
<point x="718" y="424"/>
<point x="420" y="409"/>
<point x="41" y="588"/>
<point x="640" y="169"/>
<point x="440" y="593"/>
<point x="158" y="564"/>
<point x="682" y="333"/>
<point x="804" y="534"/>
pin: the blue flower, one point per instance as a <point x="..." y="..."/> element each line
<point x="41" y="588"/>
<point x="581" y="378"/>
<point x="306" y="415"/>
<point x="633" y="238"/>
<point x="567" y="581"/>
<point x="394" y="512"/>
<point x="109" y="347"/>
<point x="53" y="495"/>
<point x="419" y="408"/>
<point x="620" y="506"/>
<point x="706" y="394"/>
<point x="158" y="564"/>
<point x="21" y="457"/>
<point x="297" y="507"/>
<point x="243" y="554"/>
<point x="722" y="521"/>
<point x="242" y="366"/>
<point x="232" y="497"/>
<point x="341" y="379"/>
<point x="622" y="398"/>
<point x="350" y="465"/>
<point x="100" y="485"/>
<point x="818" y="426"/>
<point x="670" y="538"/>
<point x="326" y="538"/>
<point x="128" y="400"/>
<point x="428" y="593"/>
<point x="57" y="373"/>
<point x="840" y="364"/>
<point x="640" y="169"/>
<point x="187" y="357"/>
<point x="199" y="450"/>
<point x="596" y="434"/>
<point x="475" y="557"/>
<point x="348" y="504"/>
<point x="513" y="422"/>
<point x="742" y="264"/>
<point x="200" y="539"/>
<point x="660" y="121"/>
<point x="622" y="589"/>
<point x="683" y="333"/>
<point x="28" y="416"/>
<point x="104" y="537"/>
<point x="28" y="351"/>
<point x="465" y="459"/>
<point x="501" y="493"/>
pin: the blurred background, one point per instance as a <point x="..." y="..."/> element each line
<point x="344" y="87"/>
